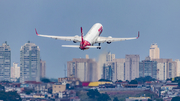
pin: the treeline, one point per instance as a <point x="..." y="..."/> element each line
<point x="139" y="80"/>
<point x="96" y="96"/>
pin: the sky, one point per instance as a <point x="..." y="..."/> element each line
<point x="157" y="20"/>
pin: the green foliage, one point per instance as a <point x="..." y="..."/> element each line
<point x="133" y="82"/>
<point x="53" y="80"/>
<point x="93" y="93"/>
<point x="10" y="96"/>
<point x="179" y="84"/>
<point x="144" y="79"/>
<point x="119" y="81"/>
<point x="115" y="99"/>
<point x="2" y="88"/>
<point x="175" y="99"/>
<point x="45" y="80"/>
<point x="159" y="99"/>
<point x="5" y="82"/>
<point x="103" y="97"/>
<point x="105" y="80"/>
<point x="149" y="100"/>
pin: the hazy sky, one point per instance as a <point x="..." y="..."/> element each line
<point x="157" y="20"/>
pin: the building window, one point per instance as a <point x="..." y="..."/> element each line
<point x="59" y="86"/>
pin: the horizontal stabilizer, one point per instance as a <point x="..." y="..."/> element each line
<point x="93" y="46"/>
<point x="75" y="46"/>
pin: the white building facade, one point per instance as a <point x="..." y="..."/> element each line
<point x="154" y="52"/>
<point x="15" y="71"/>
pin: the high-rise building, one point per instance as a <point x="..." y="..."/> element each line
<point x="148" y="68"/>
<point x="108" y="71"/>
<point x="29" y="62"/>
<point x="131" y="67"/>
<point x="42" y="69"/>
<point x="84" y="69"/>
<point x="178" y="67"/>
<point x="110" y="57"/>
<point x="166" y="68"/>
<point x="154" y="51"/>
<point x="114" y="70"/>
<point x="15" y="71"/>
<point x="5" y="62"/>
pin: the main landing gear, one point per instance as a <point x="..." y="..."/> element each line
<point x="99" y="45"/>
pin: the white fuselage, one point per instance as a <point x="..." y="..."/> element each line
<point x="93" y="33"/>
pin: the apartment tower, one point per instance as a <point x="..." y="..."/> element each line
<point x="131" y="67"/>
<point x="5" y="62"/>
<point x="42" y="69"/>
<point x="29" y="62"/>
<point x="84" y="69"/>
<point x="154" y="51"/>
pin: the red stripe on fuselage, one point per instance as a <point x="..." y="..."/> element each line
<point x="100" y="30"/>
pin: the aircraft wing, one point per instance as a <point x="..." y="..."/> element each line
<point x="110" y="39"/>
<point x="66" y="38"/>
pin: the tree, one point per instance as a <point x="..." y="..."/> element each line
<point x="93" y="93"/>
<point x="175" y="99"/>
<point x="115" y="99"/>
<point x="53" y="80"/>
<point x="45" y="80"/>
<point x="119" y="81"/>
<point x="149" y="100"/>
<point x="133" y="82"/>
<point x="105" y="80"/>
<point x="103" y="97"/>
<point x="144" y="79"/>
<point x="2" y="88"/>
<point x="10" y="96"/>
<point x="179" y="84"/>
<point x="159" y="99"/>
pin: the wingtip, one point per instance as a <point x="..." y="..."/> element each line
<point x="138" y="35"/>
<point x="36" y="32"/>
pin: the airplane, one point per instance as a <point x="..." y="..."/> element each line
<point x="91" y="38"/>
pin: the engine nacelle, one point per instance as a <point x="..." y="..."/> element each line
<point x="108" y="42"/>
<point x="109" y="36"/>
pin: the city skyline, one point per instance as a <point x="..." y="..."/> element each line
<point x="157" y="21"/>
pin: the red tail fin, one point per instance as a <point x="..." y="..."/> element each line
<point x="82" y="36"/>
